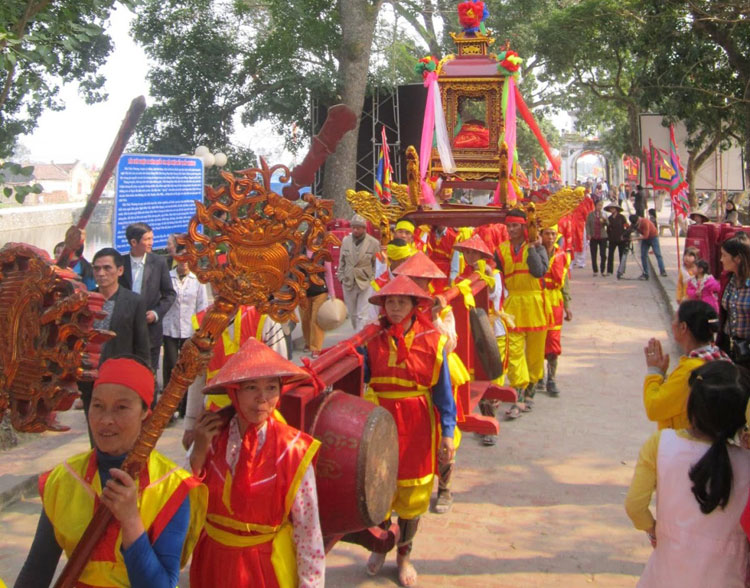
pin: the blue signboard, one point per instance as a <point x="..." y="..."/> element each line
<point x="159" y="190"/>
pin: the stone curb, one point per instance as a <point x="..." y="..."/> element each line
<point x="24" y="487"/>
<point x="666" y="295"/>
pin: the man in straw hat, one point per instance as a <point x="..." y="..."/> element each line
<point x="262" y="526"/>
<point x="617" y="224"/>
<point x="522" y="264"/>
<point x="420" y="268"/>
<point x="356" y="270"/>
<point x="408" y="375"/>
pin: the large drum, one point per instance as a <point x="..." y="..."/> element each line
<point x="357" y="463"/>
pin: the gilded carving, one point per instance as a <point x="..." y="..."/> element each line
<point x="48" y="342"/>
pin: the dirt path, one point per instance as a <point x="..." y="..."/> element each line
<point x="543" y="507"/>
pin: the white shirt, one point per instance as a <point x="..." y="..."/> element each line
<point x="191" y="299"/>
<point x="136" y="271"/>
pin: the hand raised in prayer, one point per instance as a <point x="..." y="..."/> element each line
<point x="655" y="355"/>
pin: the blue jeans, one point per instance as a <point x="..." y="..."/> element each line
<point x="653" y="243"/>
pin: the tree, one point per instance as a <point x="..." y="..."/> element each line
<point x="216" y="61"/>
<point x="727" y="24"/>
<point x="44" y="44"/>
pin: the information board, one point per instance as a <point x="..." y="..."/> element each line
<point x="159" y="190"/>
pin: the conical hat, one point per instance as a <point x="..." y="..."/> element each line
<point x="331" y="314"/>
<point x="699" y="213"/>
<point x="401" y="286"/>
<point x="613" y="205"/>
<point x="419" y="265"/>
<point x="254" y="360"/>
<point x="474" y="244"/>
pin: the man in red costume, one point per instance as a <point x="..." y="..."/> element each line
<point x="262" y="526"/>
<point x="578" y="217"/>
<point x="556" y="302"/>
<point x="440" y="250"/>
<point x="522" y="264"/>
<point x="408" y="375"/>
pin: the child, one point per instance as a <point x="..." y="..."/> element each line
<point x="262" y="526"/>
<point x="407" y="370"/>
<point x="687" y="270"/>
<point x="703" y="286"/>
<point x="701" y="484"/>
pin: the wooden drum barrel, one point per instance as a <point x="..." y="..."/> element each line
<point x="357" y="463"/>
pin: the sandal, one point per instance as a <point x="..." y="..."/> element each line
<point x="513" y="412"/>
<point x="526" y="406"/>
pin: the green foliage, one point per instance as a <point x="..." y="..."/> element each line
<point x="44" y="44"/>
<point x="215" y="61"/>
<point x="14" y="180"/>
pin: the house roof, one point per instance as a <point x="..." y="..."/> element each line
<point x="52" y="171"/>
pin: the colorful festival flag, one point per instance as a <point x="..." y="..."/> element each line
<point x="664" y="175"/>
<point x="537" y="171"/>
<point x="384" y="171"/>
<point x="679" y="189"/>
<point x="649" y="179"/>
<point x="631" y="165"/>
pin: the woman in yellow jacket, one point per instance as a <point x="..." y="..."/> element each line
<point x="665" y="397"/>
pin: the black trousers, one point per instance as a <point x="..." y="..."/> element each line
<point x="172" y="346"/>
<point x="622" y="249"/>
<point x="601" y="245"/>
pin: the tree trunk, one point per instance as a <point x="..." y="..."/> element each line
<point x="358" y="18"/>
<point x="696" y="159"/>
<point x="635" y="129"/>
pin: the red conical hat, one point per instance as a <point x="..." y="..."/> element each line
<point x="254" y="360"/>
<point x="401" y="286"/>
<point x="474" y="244"/>
<point x="419" y="265"/>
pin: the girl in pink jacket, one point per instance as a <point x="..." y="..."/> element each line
<point x="703" y="286"/>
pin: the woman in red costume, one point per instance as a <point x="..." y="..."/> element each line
<point x="408" y="374"/>
<point x="262" y="527"/>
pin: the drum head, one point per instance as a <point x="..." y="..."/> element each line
<point x="377" y="466"/>
<point x="485" y="343"/>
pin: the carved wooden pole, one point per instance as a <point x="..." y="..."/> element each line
<point x="267" y="237"/>
<point x="137" y="106"/>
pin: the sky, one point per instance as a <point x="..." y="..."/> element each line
<point x="85" y="132"/>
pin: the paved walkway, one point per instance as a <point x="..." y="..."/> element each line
<point x="542" y="508"/>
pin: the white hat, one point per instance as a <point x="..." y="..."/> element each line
<point x="358" y="221"/>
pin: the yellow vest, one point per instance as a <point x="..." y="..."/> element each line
<point x="524" y="302"/>
<point x="70" y="494"/>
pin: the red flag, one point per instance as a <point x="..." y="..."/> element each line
<point x="679" y="190"/>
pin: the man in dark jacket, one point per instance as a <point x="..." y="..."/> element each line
<point x="125" y="314"/>
<point x="146" y="274"/>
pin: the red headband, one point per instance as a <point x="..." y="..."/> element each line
<point x="129" y="373"/>
<point x="515" y="219"/>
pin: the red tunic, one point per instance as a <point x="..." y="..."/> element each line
<point x="403" y="389"/>
<point x="554" y="304"/>
<point x="492" y="235"/>
<point x="247" y="517"/>
<point x="579" y="221"/>
<point x="440" y="251"/>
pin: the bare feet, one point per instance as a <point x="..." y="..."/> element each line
<point x="374" y="563"/>
<point x="407" y="573"/>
